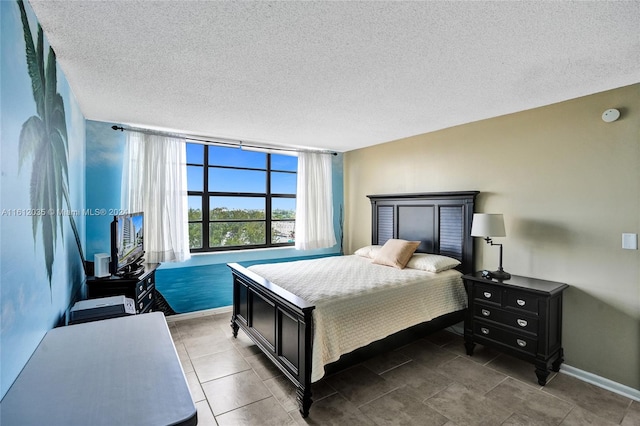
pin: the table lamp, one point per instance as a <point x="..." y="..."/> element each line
<point x="486" y="226"/>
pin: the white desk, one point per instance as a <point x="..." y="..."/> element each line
<point x="120" y="371"/>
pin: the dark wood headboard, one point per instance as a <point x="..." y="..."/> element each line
<point x="440" y="220"/>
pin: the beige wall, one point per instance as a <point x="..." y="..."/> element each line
<point x="569" y="186"/>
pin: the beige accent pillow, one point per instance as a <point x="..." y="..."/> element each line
<point x="368" y="251"/>
<point x="396" y="253"/>
<point x="432" y="262"/>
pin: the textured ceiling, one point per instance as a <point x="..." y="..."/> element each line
<point x="334" y="75"/>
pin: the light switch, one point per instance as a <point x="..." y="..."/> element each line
<point x="630" y="241"/>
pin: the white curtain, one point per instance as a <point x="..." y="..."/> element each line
<point x="314" y="199"/>
<point x="154" y="181"/>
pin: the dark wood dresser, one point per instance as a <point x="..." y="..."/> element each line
<point x="520" y="316"/>
<point x="139" y="288"/>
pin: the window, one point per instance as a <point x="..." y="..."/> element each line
<point x="240" y="199"/>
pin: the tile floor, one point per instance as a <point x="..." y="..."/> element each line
<point x="429" y="382"/>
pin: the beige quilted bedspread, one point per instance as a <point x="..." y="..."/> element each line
<point x="358" y="302"/>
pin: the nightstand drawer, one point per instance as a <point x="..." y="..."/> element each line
<point x="514" y="340"/>
<point x="520" y="300"/>
<point x="511" y="319"/>
<point x="487" y="293"/>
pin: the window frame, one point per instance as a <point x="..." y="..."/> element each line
<point x="205" y="196"/>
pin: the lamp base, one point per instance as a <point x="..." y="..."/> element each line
<point x="500" y="275"/>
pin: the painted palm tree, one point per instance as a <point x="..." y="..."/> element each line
<point x="44" y="139"/>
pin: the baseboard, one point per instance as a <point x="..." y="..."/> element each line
<point x="601" y="382"/>
<point x="197" y="314"/>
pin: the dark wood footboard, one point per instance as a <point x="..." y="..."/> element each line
<point x="279" y="323"/>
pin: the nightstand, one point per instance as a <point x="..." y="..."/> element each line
<point x="520" y="316"/>
<point x="141" y="288"/>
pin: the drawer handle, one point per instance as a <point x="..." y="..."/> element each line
<point x="484" y="330"/>
<point x="521" y="302"/>
<point x="522" y="323"/>
<point x="141" y="305"/>
<point x="487" y="294"/>
<point x="521" y="343"/>
<point x="486" y="313"/>
<point x="140" y="287"/>
<point x="151" y="297"/>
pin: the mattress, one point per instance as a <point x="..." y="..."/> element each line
<point x="358" y="302"/>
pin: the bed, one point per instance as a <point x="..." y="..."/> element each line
<point x="287" y="316"/>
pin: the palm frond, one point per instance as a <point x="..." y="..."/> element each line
<point x="34" y="61"/>
<point x="40" y="56"/>
<point x="31" y="136"/>
<point x="51" y="81"/>
<point x="58" y="120"/>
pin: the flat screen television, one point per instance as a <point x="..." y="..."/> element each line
<point x="127" y="244"/>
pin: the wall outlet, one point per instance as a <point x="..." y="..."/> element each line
<point x="630" y="241"/>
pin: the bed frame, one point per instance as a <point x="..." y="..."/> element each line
<point x="280" y="323"/>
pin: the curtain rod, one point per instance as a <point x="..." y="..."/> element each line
<point x="220" y="141"/>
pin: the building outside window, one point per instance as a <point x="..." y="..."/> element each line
<point x="239" y="198"/>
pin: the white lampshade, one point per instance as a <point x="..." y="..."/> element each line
<point x="487" y="225"/>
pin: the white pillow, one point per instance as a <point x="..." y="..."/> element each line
<point x="368" y="251"/>
<point x="431" y="262"/>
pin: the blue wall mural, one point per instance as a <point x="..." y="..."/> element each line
<point x="197" y="288"/>
<point x="204" y="281"/>
<point x="42" y="193"/>
<point x="105" y="150"/>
